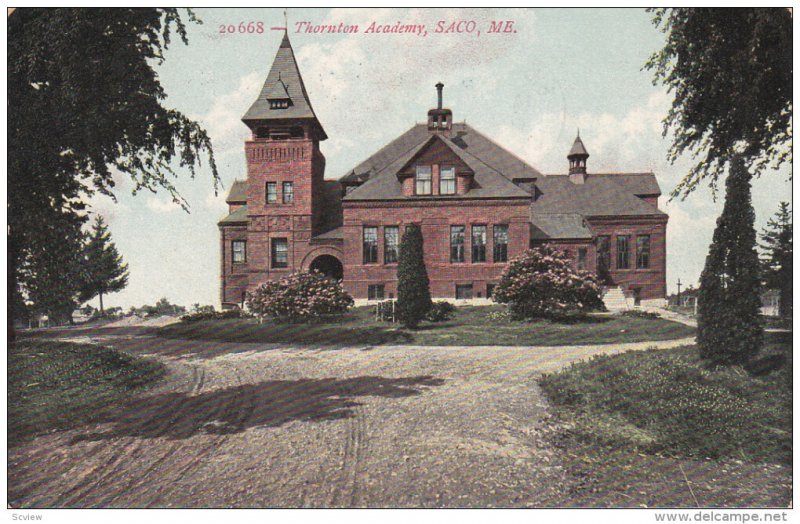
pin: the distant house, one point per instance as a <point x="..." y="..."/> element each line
<point x="478" y="206"/>
<point x="771" y="302"/>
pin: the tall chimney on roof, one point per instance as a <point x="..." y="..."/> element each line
<point x="440" y="119"/>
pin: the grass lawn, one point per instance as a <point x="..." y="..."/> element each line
<point x="469" y="326"/>
<point x="668" y="402"/>
<point x="57" y="385"/>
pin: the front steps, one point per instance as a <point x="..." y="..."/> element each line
<point x="615" y="300"/>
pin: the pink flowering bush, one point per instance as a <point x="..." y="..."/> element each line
<point x="542" y="283"/>
<point x="299" y="297"/>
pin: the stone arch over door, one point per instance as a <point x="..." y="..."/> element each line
<point x="327" y="260"/>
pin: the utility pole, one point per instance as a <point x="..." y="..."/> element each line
<point x="679" y="292"/>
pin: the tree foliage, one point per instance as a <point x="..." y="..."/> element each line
<point x="729" y="328"/>
<point x="776" y="261"/>
<point x="413" y="285"/>
<point x="50" y="268"/>
<point x="103" y="271"/>
<point x="730" y="72"/>
<point x="85" y="104"/>
<point x="542" y="283"/>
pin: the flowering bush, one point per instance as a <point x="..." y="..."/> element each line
<point x="299" y="297"/>
<point x="542" y="283"/>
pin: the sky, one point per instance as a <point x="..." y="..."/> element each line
<point x="529" y="90"/>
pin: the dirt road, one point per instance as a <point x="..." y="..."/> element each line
<point x="243" y="425"/>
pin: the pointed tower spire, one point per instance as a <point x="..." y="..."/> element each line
<point x="577" y="157"/>
<point x="283" y="96"/>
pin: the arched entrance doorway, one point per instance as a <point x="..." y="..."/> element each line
<point x="328" y="265"/>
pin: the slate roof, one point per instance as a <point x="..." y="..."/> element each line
<point x="238" y="193"/>
<point x="284" y="71"/>
<point x="237" y="217"/>
<point x="578" y="149"/>
<point x="493" y="167"/>
<point x="566" y="226"/>
<point x="599" y="195"/>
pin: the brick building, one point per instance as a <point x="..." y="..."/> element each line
<point x="478" y="206"/>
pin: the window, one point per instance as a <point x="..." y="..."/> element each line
<point x="643" y="252"/>
<point x="489" y="290"/>
<point x="370" y="245"/>
<point x="272" y="192"/>
<point x="423" y="185"/>
<point x="478" y="244"/>
<point x="463" y="291"/>
<point x="391" y="235"/>
<point x="288" y="192"/>
<point x="603" y="254"/>
<point x="280" y="253"/>
<point x="447" y="180"/>
<point x="239" y="251"/>
<point x="581" y="258"/>
<point x="501" y="243"/>
<point x="375" y="292"/>
<point x="623" y="242"/>
<point x="457" y="243"/>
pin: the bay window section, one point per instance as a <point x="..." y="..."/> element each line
<point x="501" y="243"/>
<point x="478" y="244"/>
<point x="370" y="245"/>
<point x="642" y="251"/>
<point x="623" y="247"/>
<point x="457" y="243"/>
<point x="391" y="236"/>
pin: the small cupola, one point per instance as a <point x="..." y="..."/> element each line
<point x="440" y="119"/>
<point x="577" y="161"/>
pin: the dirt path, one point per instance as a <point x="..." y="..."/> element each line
<point x="245" y="425"/>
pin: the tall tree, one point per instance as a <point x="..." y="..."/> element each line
<point x="51" y="265"/>
<point x="413" y="285"/>
<point x="84" y="103"/>
<point x="729" y="328"/>
<point x="776" y="245"/>
<point x="730" y="71"/>
<point x="104" y="271"/>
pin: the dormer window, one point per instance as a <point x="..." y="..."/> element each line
<point x="423" y="180"/>
<point x="281" y="103"/>
<point x="447" y="180"/>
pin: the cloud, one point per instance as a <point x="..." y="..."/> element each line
<point x="224" y="120"/>
<point x="630" y="142"/>
<point x="162" y="206"/>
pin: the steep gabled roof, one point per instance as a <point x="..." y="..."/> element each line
<point x="283" y="80"/>
<point x="602" y="195"/>
<point x="238" y="193"/>
<point x="494" y="167"/>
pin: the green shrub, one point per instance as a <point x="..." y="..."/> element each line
<point x="729" y="329"/>
<point x="413" y="292"/>
<point x="299" y="297"/>
<point x="440" y="311"/>
<point x="542" y="283"/>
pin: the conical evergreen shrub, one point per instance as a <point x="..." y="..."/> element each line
<point x="729" y="329"/>
<point x="413" y="286"/>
